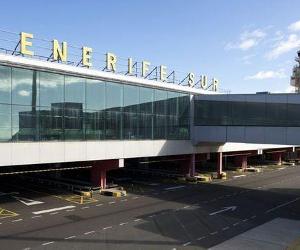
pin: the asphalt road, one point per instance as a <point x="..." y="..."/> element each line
<point x="164" y="216"/>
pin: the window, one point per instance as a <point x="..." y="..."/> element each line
<point x="5" y="85"/>
<point x="146" y="113"/>
<point x="160" y="114"/>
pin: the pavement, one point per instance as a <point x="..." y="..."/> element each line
<point x="161" y="216"/>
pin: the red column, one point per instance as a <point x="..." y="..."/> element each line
<point x="220" y="163"/>
<point x="192" y="165"/>
<point x="241" y="161"/>
<point x="277" y="157"/>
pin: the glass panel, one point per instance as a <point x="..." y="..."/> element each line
<point x="95" y="95"/>
<point x="51" y="123"/>
<point x="146" y="113"/>
<point x="24" y="123"/>
<point x="113" y="116"/>
<point x="51" y="89"/>
<point x="160" y="114"/>
<point x="94" y="125"/>
<point x="75" y="90"/>
<point x="24" y="87"/>
<point x="5" y="122"/>
<point x="131" y="107"/>
<point x="173" y="115"/>
<point x="73" y="120"/>
<point x="5" y="84"/>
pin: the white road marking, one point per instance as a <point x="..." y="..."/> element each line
<point x="17" y="220"/>
<point x="176" y="187"/>
<point x="36" y="216"/>
<point x="124" y="200"/>
<point x="52" y="210"/>
<point x="3" y="194"/>
<point x="238" y="176"/>
<point x="107" y="227"/>
<point x="48" y="243"/>
<point x="282" y="205"/>
<point x="201" y="238"/>
<point x="90" y="232"/>
<point x="136" y="197"/>
<point x="70" y="210"/>
<point x="245" y="220"/>
<point x="99" y="205"/>
<point x="235" y="224"/>
<point x="54" y="213"/>
<point x="186" y="207"/>
<point x="232" y="208"/>
<point x="253" y="217"/>
<point x="85" y="207"/>
<point x="151" y="216"/>
<point x="27" y="202"/>
<point x="70" y="237"/>
<point x="213" y="233"/>
<point x="225" y="228"/>
<point x="27" y="248"/>
<point x="123" y="223"/>
<point x="186" y="244"/>
<point x="137" y="220"/>
<point x="111" y="202"/>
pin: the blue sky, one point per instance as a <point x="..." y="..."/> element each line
<point x="248" y="45"/>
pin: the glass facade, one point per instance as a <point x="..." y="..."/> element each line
<point x="238" y="113"/>
<point x="43" y="106"/>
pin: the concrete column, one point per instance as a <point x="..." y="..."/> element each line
<point x="277" y="157"/>
<point x="241" y="161"/>
<point x="103" y="178"/>
<point x="192" y="165"/>
<point x="220" y="163"/>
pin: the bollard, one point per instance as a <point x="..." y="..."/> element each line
<point x="81" y="199"/>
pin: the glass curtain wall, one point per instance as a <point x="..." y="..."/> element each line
<point x="44" y="106"/>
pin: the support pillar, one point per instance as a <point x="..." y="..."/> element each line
<point x="277" y="157"/>
<point x="219" y="163"/>
<point x="241" y="161"/>
<point x="192" y="165"/>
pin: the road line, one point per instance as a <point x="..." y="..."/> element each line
<point x="36" y="216"/>
<point x="213" y="233"/>
<point x="54" y="213"/>
<point x="186" y="207"/>
<point x="235" y="224"/>
<point x="137" y="220"/>
<point x="52" y="210"/>
<point x="123" y="223"/>
<point x="238" y="176"/>
<point x="245" y="220"/>
<point x="48" y="243"/>
<point x="98" y="205"/>
<point x="107" y="227"/>
<point x="282" y="205"/>
<point x="70" y="210"/>
<point x="201" y="238"/>
<point x="111" y="202"/>
<point x="70" y="237"/>
<point x="176" y="187"/>
<point x="186" y="244"/>
<point x="225" y="228"/>
<point x="136" y="197"/>
<point x="90" y="232"/>
<point x="85" y="207"/>
<point x="253" y="217"/>
<point x="17" y="220"/>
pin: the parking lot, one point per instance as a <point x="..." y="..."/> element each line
<point x="154" y="215"/>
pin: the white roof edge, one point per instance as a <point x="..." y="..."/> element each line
<point x="55" y="67"/>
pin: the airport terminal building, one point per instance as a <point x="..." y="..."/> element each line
<point x="57" y="114"/>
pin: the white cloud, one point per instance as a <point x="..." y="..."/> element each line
<point x="247" y="40"/>
<point x="269" y="74"/>
<point x="247" y="58"/>
<point x="24" y="93"/>
<point x="284" y="46"/>
<point x="294" y="26"/>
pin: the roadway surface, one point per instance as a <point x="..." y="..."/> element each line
<point x="158" y="216"/>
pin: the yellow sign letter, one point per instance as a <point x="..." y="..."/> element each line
<point x="203" y="81"/>
<point x="111" y="61"/>
<point x="191" y="79"/>
<point x="58" y="53"/>
<point x="163" y="72"/>
<point x="24" y="43"/>
<point x="215" y="84"/>
<point x="129" y="72"/>
<point x="86" y="56"/>
<point x="145" y="68"/>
